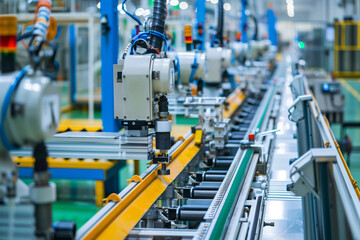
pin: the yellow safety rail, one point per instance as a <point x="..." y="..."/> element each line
<point x="234" y="99"/>
<point x="123" y="217"/>
<point x="352" y="180"/>
<point x="78" y="125"/>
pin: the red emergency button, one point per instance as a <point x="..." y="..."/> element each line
<point x="251" y="137"/>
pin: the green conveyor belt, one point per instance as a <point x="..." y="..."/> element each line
<point x="238" y="177"/>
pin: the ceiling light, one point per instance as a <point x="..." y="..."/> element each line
<point x="183" y="5"/>
<point x="214" y="1"/>
<point x="290" y="8"/>
<point x="98" y="5"/>
<point x="147" y="12"/>
<point x="139" y="12"/>
<point x="227" y="6"/>
<point x="174" y="2"/>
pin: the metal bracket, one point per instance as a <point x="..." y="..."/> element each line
<point x="296" y="110"/>
<point x="135" y="178"/>
<point x="256" y="145"/>
<point x="302" y="172"/>
<point x="274" y="131"/>
<point x="112" y="197"/>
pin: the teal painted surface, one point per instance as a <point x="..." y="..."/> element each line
<point x="182" y="120"/>
<point x="352" y="113"/>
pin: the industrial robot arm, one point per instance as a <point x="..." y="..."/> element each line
<point x="142" y="79"/>
<point x="30" y="112"/>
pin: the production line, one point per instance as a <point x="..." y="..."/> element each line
<point x="255" y="159"/>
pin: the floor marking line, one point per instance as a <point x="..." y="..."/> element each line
<point x="350" y="89"/>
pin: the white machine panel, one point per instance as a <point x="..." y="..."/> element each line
<point x="186" y="60"/>
<point x="133" y="89"/>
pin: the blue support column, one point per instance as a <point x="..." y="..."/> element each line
<point x="73" y="63"/>
<point x="271" y="26"/>
<point x="200" y="19"/>
<point x="109" y="55"/>
<point x="243" y="20"/>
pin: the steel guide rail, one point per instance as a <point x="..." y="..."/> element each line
<point x="217" y="216"/>
<point x="235" y="224"/>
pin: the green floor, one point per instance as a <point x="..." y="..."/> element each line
<point x="77" y="113"/>
<point x="81" y="211"/>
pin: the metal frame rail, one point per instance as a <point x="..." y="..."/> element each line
<point x="331" y="209"/>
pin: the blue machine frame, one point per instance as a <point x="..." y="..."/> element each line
<point x="244" y="4"/>
<point x="109" y="56"/>
<point x="200" y="19"/>
<point x="271" y="17"/>
<point x="72" y="42"/>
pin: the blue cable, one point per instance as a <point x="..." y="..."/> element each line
<point x="178" y="67"/>
<point x="144" y="35"/>
<point x="194" y="66"/>
<point x="131" y="15"/>
<point x="177" y="64"/>
<point x="5" y="106"/>
<point x="162" y="36"/>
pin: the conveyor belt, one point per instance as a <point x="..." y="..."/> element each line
<point x="218" y="218"/>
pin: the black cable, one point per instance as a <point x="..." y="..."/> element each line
<point x="220" y="26"/>
<point x="40" y="154"/>
<point x="158" y="23"/>
<point x="24" y="36"/>
<point x="255" y="36"/>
